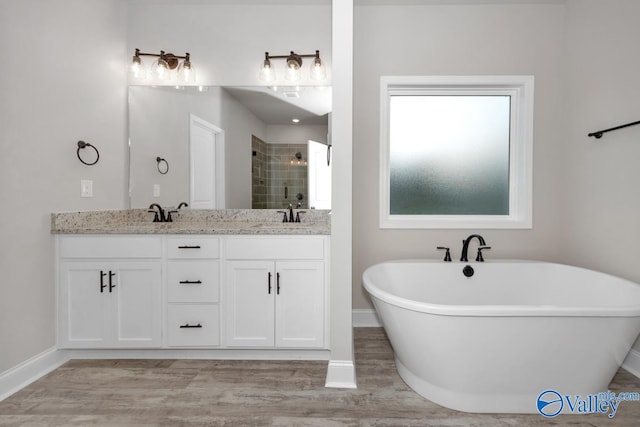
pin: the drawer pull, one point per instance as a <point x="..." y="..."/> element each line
<point x="186" y="325"/>
<point x="189" y="247"/>
<point x="191" y="282"/>
<point x="111" y="285"/>
<point x="102" y="285"/>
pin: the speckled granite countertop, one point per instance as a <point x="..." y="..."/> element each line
<point x="190" y="221"/>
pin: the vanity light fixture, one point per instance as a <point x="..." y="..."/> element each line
<point x="167" y="68"/>
<point x="294" y="64"/>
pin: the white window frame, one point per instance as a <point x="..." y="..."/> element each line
<point x="520" y="89"/>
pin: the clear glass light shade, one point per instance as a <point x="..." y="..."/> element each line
<point x="186" y="73"/>
<point x="318" y="71"/>
<point x="160" y="70"/>
<point x="293" y="72"/>
<point x="138" y="71"/>
<point x="267" y="73"/>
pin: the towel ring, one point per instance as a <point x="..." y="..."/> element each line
<point x="160" y="160"/>
<point x="82" y="144"/>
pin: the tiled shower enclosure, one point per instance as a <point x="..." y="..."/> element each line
<point x="279" y="175"/>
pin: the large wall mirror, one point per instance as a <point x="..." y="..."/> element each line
<point x="230" y="147"/>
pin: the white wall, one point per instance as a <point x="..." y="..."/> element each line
<point x="63" y="81"/>
<point x="602" y="201"/>
<point x="487" y="39"/>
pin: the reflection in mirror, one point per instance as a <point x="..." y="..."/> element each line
<point x="225" y="166"/>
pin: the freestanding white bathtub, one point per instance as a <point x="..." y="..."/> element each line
<point x="494" y="341"/>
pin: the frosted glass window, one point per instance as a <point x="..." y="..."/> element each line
<point x="456" y="151"/>
<point x="449" y="155"/>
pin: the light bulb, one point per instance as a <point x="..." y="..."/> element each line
<point x="138" y="71"/>
<point x="267" y="73"/>
<point x="293" y="74"/>
<point x="318" y="70"/>
<point x="186" y="73"/>
<point x="294" y="61"/>
<point x="160" y="70"/>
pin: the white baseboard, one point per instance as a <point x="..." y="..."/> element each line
<point x="203" y="354"/>
<point x="341" y="374"/>
<point x="632" y="363"/>
<point x="30" y="370"/>
<point x="365" y="318"/>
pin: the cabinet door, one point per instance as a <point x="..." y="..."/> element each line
<point x="136" y="315"/>
<point x="300" y="304"/>
<point x="250" y="291"/>
<point x="110" y="304"/>
<point x="84" y="305"/>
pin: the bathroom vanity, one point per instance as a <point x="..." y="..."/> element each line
<point x="227" y="283"/>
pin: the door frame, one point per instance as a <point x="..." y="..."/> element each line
<point x="219" y="154"/>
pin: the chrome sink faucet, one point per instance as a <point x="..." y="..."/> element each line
<point x="465" y="247"/>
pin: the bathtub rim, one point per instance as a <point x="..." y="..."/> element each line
<point x="496" y="310"/>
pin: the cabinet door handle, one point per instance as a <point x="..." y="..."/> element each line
<point x="102" y="285"/>
<point x="189" y="247"/>
<point x="269" y="284"/>
<point x="278" y="283"/>
<point x="191" y="282"/>
<point x="111" y="285"/>
<point x="186" y="325"/>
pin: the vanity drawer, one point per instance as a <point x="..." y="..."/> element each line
<point x="193" y="325"/>
<point x="193" y="281"/>
<point x="193" y="248"/>
<point x="110" y="247"/>
<point x="274" y="248"/>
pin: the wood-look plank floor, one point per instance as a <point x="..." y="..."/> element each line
<point x="256" y="393"/>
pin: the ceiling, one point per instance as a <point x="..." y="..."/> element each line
<point x="278" y="106"/>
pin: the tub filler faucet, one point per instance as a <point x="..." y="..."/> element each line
<point x="465" y="247"/>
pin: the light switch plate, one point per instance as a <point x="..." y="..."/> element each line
<point x="86" y="188"/>
<point x="156" y="190"/>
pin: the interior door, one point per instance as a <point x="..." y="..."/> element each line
<point x="319" y="176"/>
<point x="206" y="171"/>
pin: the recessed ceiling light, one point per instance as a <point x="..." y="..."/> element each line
<point x="295" y="120"/>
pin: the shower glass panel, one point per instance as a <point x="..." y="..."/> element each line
<point x="449" y="155"/>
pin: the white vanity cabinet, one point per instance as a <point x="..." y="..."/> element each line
<point x="110" y="292"/>
<point x="181" y="292"/>
<point x="275" y="293"/>
<point x="193" y="282"/>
